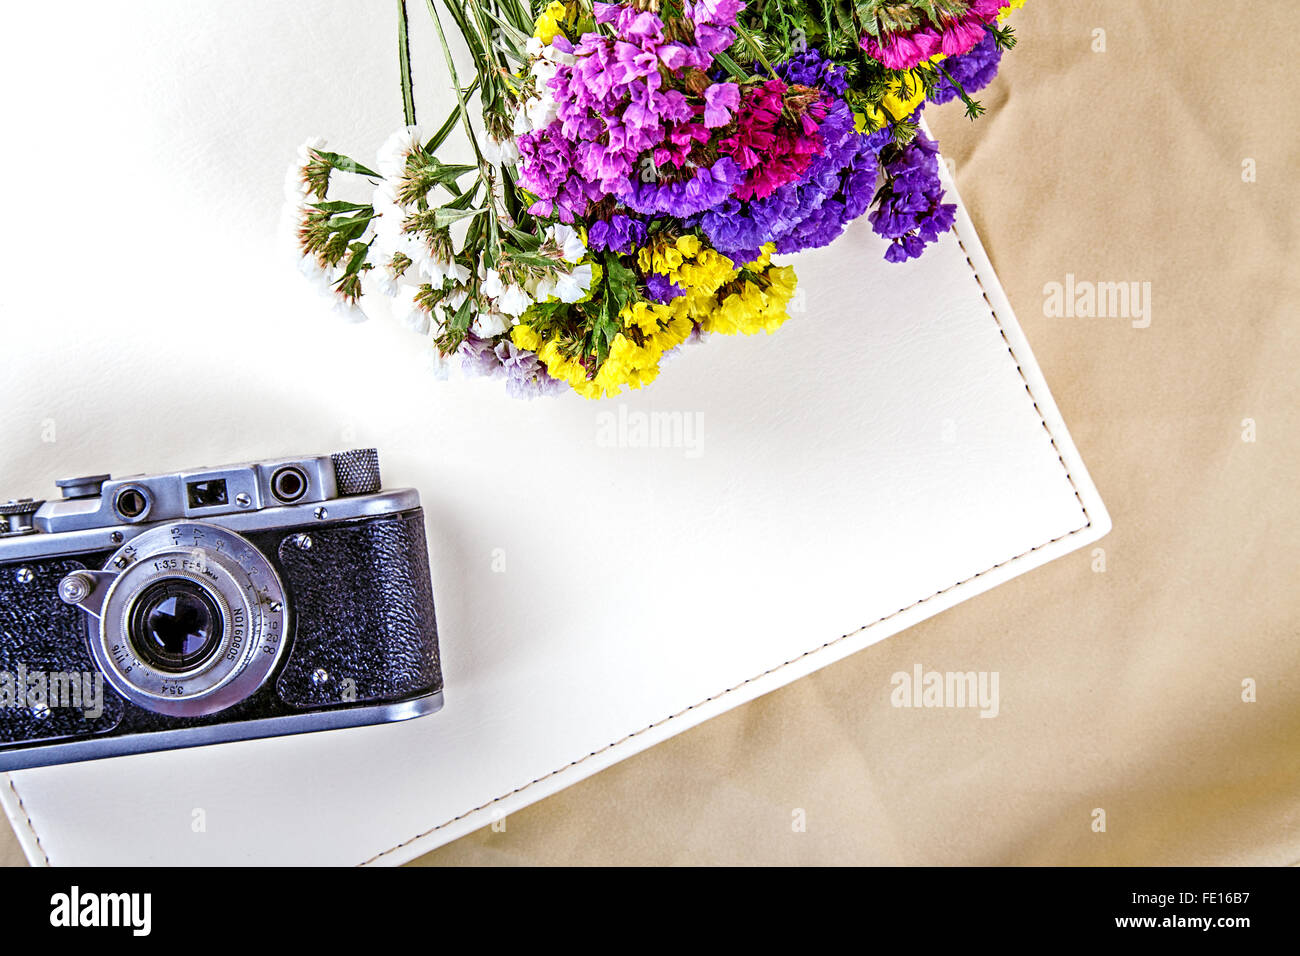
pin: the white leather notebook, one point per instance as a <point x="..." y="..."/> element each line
<point x="890" y="452"/>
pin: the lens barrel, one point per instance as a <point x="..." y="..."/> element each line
<point x="175" y="625"/>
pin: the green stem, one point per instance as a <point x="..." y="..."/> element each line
<point x="973" y="108"/>
<point x="455" y="85"/>
<point x="753" y="47"/>
<point x="404" y="62"/>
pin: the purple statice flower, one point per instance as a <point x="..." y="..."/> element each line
<point x="547" y="162"/>
<point x="814" y="210"/>
<point x="611" y="102"/>
<point x="615" y="113"/>
<point x="911" y="210"/>
<point x="620" y="233"/>
<point x="525" y="374"/>
<point x="974" y="70"/>
<point x="662" y="289"/>
<point x="810" y="68"/>
<point x="715" y="13"/>
<point x="704" y="189"/>
<point x="827" y="220"/>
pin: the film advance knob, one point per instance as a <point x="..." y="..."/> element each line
<point x="17" y="516"/>
<point x="356" y="472"/>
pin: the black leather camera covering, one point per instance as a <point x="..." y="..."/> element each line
<point x="364" y="628"/>
<point x="40" y="635"/>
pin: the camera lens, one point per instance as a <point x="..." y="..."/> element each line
<point x="175" y="625"/>
<point x="194" y="619"/>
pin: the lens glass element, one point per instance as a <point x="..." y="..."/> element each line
<point x="175" y="625"/>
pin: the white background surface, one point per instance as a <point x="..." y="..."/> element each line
<point x="879" y="449"/>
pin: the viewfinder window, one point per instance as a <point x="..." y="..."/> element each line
<point x="207" y="494"/>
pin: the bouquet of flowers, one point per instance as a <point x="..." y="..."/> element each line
<point x="633" y="170"/>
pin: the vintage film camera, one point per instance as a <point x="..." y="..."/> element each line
<point x="211" y="605"/>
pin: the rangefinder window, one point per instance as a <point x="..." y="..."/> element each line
<point x="289" y="484"/>
<point x="206" y="494"/>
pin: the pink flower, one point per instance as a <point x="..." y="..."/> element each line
<point x="720" y="101"/>
<point x="902" y="51"/>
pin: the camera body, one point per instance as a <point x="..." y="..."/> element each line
<point x="212" y="605"/>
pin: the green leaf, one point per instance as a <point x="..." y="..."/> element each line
<point x="350" y="229"/>
<point x="518" y="37"/>
<point x="446" y="215"/>
<point x="358" y="258"/>
<point x="339" y="205"/>
<point x="345" y="163"/>
<point x="440" y="137"/>
<point x="459" y="322"/>
<point x="620" y="288"/>
<point x="731" y="66"/>
<point x="526" y="240"/>
<point x="531" y="259"/>
<point x="448" y="172"/>
<point x="620" y="280"/>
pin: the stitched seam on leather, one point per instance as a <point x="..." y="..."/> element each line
<point x="659" y="723"/>
<point x="28" y="817"/>
<point x="1028" y="388"/>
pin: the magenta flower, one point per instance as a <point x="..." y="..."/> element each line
<point x="952" y="37"/>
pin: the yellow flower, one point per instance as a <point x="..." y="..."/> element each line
<point x="752" y="309"/>
<point x="651" y="329"/>
<point x="526" y="337"/>
<point x="764" y="258"/>
<point x="548" y="22"/>
<point x="896" y="105"/>
<point x="1007" y="7"/>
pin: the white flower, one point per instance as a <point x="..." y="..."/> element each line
<point x="409" y="313"/>
<point x="489" y="324"/>
<point x="321" y="278"/>
<point x="556" y="55"/>
<point x="573" y="286"/>
<point x="515" y="301"/>
<point x="437" y="364"/>
<point x="541" y="111"/>
<point x="385" y="198"/>
<point x="435" y="270"/>
<point x="307" y="147"/>
<point x="392" y="155"/>
<point x="543" y="289"/>
<point x="296" y="189"/>
<point x="492" y="286"/>
<point x="569" y="242"/>
<point x="348" y="310"/>
<point x="500" y="151"/>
